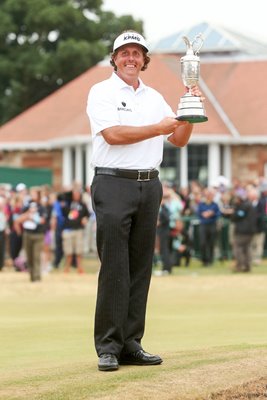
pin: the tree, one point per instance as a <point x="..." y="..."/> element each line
<point x="46" y="43"/>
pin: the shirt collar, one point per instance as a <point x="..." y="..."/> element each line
<point x="121" y="84"/>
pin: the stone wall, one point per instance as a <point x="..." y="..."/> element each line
<point x="248" y="162"/>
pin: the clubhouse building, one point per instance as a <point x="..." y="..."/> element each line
<point x="51" y="143"/>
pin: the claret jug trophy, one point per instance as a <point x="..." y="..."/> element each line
<point x="191" y="107"/>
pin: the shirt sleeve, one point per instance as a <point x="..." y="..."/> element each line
<point x="101" y="110"/>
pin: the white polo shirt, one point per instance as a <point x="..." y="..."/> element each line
<point x="112" y="102"/>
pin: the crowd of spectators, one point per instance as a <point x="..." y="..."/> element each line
<point x="223" y="221"/>
<point x="41" y="229"/>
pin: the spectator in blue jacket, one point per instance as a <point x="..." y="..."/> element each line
<point x="208" y="212"/>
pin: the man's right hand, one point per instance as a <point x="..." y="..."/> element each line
<point x="168" y="124"/>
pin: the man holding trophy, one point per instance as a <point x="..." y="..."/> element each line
<point x="128" y="123"/>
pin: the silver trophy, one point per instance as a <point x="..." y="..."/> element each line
<point x="191" y="107"/>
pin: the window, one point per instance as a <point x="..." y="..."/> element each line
<point x="170" y="166"/>
<point x="198" y="163"/>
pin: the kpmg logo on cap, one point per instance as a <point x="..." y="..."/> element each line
<point x="129" y="37"/>
<point x="132" y="36"/>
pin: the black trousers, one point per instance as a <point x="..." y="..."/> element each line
<point x="58" y="247"/>
<point x="126" y="217"/>
<point x="15" y="244"/>
<point x="208" y="236"/>
<point x="165" y="249"/>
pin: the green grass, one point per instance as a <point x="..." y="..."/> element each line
<point x="208" y="324"/>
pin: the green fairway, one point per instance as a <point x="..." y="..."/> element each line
<point x="209" y="325"/>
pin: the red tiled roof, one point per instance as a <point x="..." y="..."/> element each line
<point x="240" y="87"/>
<point x="61" y="114"/>
<point x="237" y="87"/>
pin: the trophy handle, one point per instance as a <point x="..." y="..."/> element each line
<point x="194" y="46"/>
<point x="188" y="45"/>
<point x="198" y="42"/>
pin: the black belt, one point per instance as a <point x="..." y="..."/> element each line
<point x="137" y="174"/>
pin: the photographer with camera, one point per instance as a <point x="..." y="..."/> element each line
<point x="32" y="224"/>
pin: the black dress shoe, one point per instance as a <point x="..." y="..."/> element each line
<point x="140" y="357"/>
<point x="108" y="362"/>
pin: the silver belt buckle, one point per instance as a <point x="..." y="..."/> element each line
<point x="145" y="179"/>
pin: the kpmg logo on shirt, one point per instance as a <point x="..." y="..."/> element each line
<point x="124" y="108"/>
